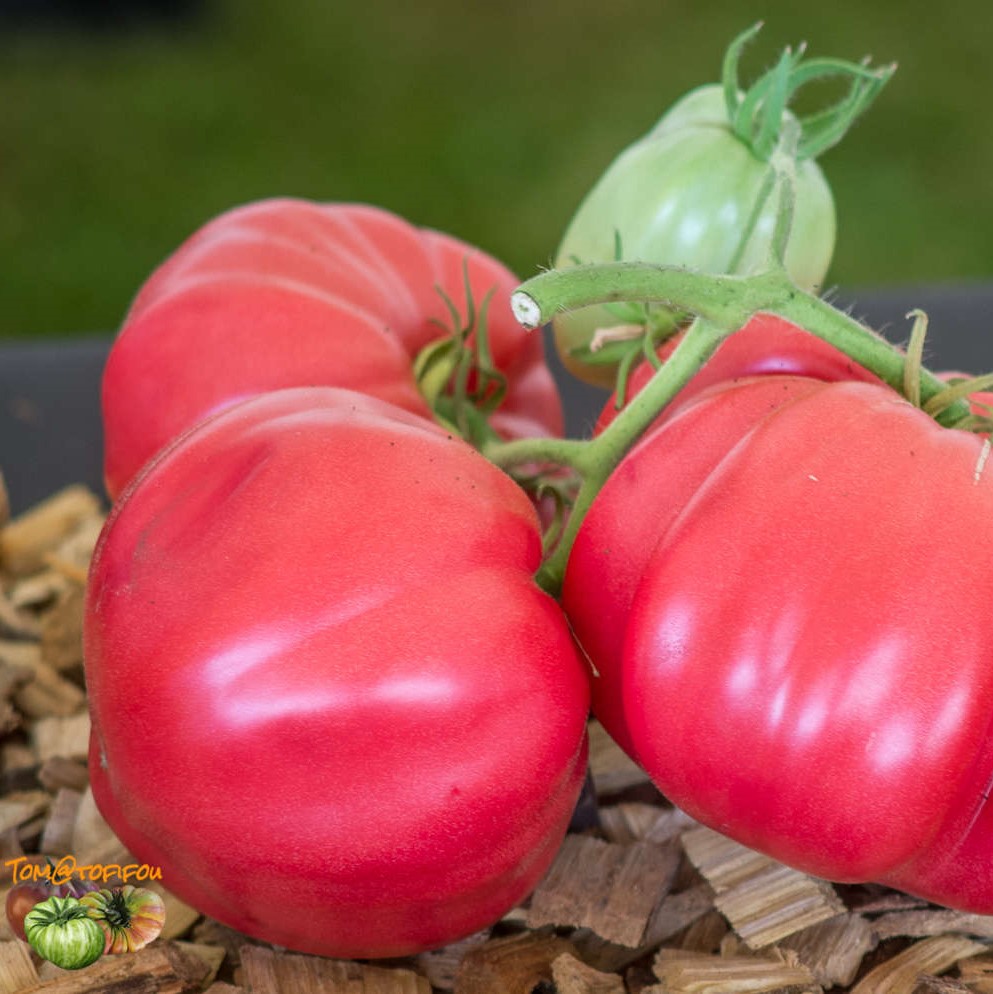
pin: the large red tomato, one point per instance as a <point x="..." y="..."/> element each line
<point x="328" y="698"/>
<point x="806" y="660"/>
<point x="287" y="292"/>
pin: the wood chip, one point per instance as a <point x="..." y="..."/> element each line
<point x="38" y="590"/>
<point x="17" y="971"/>
<point x="977" y="973"/>
<point x="514" y="963"/>
<point x="763" y="900"/>
<point x="48" y="693"/>
<point x="93" y="841"/>
<point x="15" y="622"/>
<point x="22" y="806"/>
<point x="613" y="770"/>
<point x="17" y="756"/>
<point x="833" y="950"/>
<point x="28" y="538"/>
<point x="179" y="916"/>
<point x="212" y="957"/>
<point x="76" y="550"/>
<point x="677" y="912"/>
<point x="159" y="968"/>
<point x="934" y="921"/>
<point x="899" y="974"/>
<point x="269" y="972"/>
<point x="56" y="839"/>
<point x="441" y="966"/>
<point x="707" y="934"/>
<point x="10" y="718"/>
<point x="642" y="822"/>
<point x="571" y="976"/>
<point x="22" y="657"/>
<point x="57" y="772"/>
<point x="927" y="984"/>
<point x="62" y="631"/>
<point x="608" y="888"/>
<point x="694" y="973"/>
<point x="68" y="737"/>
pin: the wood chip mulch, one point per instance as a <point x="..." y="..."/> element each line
<point x="644" y="902"/>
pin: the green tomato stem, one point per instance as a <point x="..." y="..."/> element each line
<point x="726" y="301"/>
<point x="722" y="304"/>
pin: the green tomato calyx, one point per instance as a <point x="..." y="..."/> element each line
<point x="56" y="911"/>
<point x="756" y="115"/>
<point x="456" y="373"/>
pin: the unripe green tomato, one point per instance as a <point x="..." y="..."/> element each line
<point x="683" y="195"/>
<point x="60" y="931"/>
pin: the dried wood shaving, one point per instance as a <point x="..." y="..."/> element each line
<point x="609" y="888"/>
<point x="20" y="807"/>
<point x="511" y="963"/>
<point x="67" y="737"/>
<point x="62" y="630"/>
<point x="763" y="900"/>
<point x="441" y="966"/>
<point x="28" y="538"/>
<point x="696" y="973"/>
<point x="707" y="934"/>
<point x="833" y="950"/>
<point x="976" y="973"/>
<point x="933" y="921"/>
<point x="572" y="976"/>
<point x="17" y="970"/>
<point x="56" y="839"/>
<point x="267" y="971"/>
<point x="17" y="623"/>
<point x="899" y="974"/>
<point x="638" y="821"/>
<point x="926" y="984"/>
<point x="612" y="769"/>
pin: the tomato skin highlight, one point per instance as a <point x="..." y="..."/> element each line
<point x="792" y="587"/>
<point x="287" y="292"/>
<point x="319" y="611"/>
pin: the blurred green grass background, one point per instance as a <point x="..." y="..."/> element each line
<point x="489" y="121"/>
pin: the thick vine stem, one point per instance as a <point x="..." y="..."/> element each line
<point x="722" y="305"/>
<point x="726" y="301"/>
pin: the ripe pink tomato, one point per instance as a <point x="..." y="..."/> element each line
<point x="328" y="698"/>
<point x="804" y="662"/>
<point x="287" y="292"/>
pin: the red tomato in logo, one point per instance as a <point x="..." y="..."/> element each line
<point x="806" y="656"/>
<point x="328" y="698"/>
<point x="286" y="292"/>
